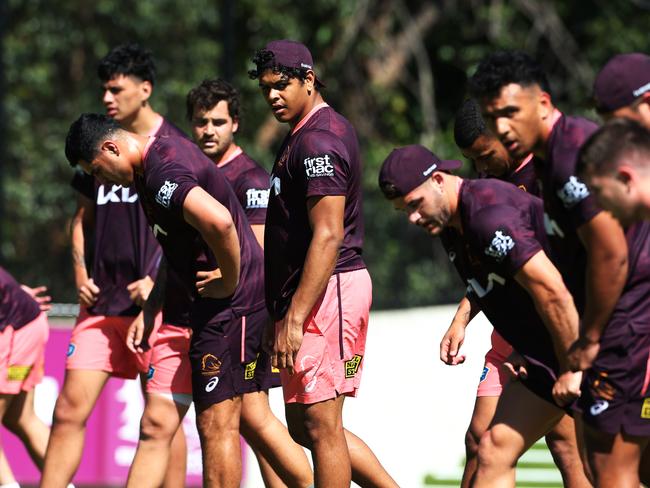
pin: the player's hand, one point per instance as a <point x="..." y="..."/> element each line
<point x="450" y="345"/>
<point x="567" y="387"/>
<point x="88" y="293"/>
<point x="137" y="336"/>
<point x="515" y="365"/>
<point x="582" y="353"/>
<point x="287" y="343"/>
<point x="44" y="301"/>
<point x="210" y="284"/>
<point x="139" y="290"/>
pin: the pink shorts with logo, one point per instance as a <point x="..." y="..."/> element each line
<point x="330" y="359"/>
<point x="169" y="367"/>
<point x="493" y="377"/>
<point x="98" y="343"/>
<point x="22" y="355"/>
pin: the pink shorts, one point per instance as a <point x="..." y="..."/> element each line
<point x="22" y="355"/>
<point x="169" y="368"/>
<point x="98" y="343"/>
<point x="330" y="359"/>
<point x="493" y="377"/>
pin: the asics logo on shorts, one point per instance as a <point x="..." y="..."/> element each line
<point x="599" y="407"/>
<point x="212" y="384"/>
<point x="210" y="365"/>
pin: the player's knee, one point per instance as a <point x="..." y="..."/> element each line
<point x="156" y="427"/>
<point x="318" y="428"/>
<point x="564" y="451"/>
<point x="68" y="411"/>
<point x="494" y="450"/>
<point x="298" y="434"/>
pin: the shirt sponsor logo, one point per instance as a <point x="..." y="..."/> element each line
<point x="475" y="287"/>
<point x="249" y="369"/>
<point x="352" y="366"/>
<point x="598" y="407"/>
<point x="112" y="196"/>
<point x="500" y="246"/>
<point x="319" y="166"/>
<point x="572" y="192"/>
<point x="156" y="229"/>
<point x="257" y="198"/>
<point x="551" y="227"/>
<point x="165" y="193"/>
<point x="210" y="365"/>
<point x="275" y="185"/>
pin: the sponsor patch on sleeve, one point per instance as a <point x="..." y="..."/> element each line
<point x="500" y="246"/>
<point x="319" y="166"/>
<point x="572" y="192"/>
<point x="164" y="195"/>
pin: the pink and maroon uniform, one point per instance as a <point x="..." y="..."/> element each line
<point x="23" y="333"/>
<point x="320" y="157"/>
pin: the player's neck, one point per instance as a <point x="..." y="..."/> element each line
<point x="144" y="122"/>
<point x="313" y="101"/>
<point x="136" y="147"/>
<point x="545" y="132"/>
<point x="227" y="156"/>
<point x="454" y="184"/>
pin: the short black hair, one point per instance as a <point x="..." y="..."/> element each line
<point x="469" y="124"/>
<point x="129" y="59"/>
<point x="209" y="93"/>
<point x="603" y="152"/>
<point x="85" y="134"/>
<point x="265" y="60"/>
<point x="502" y="68"/>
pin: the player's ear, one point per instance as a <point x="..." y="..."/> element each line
<point x="545" y="104"/>
<point x="145" y="89"/>
<point x="235" y="125"/>
<point x="310" y="81"/>
<point x="111" y="147"/>
<point x="625" y="174"/>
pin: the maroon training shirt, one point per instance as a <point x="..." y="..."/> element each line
<point x="17" y="308"/>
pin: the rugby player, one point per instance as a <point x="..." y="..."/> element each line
<point x="622" y="88"/>
<point x="213" y="111"/>
<point x="208" y="242"/>
<point x="615" y="403"/>
<point x="318" y="290"/>
<point x="494" y="234"/>
<point x="491" y="159"/>
<point x="589" y="246"/>
<point x="125" y="259"/>
<point x="23" y="335"/>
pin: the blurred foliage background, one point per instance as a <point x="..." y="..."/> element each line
<point x="395" y="68"/>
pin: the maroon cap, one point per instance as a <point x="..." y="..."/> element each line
<point x="291" y="54"/>
<point x="622" y="80"/>
<point x="408" y="167"/>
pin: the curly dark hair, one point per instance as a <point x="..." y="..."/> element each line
<point x="84" y="135"/>
<point x="469" y="124"/>
<point x="130" y="60"/>
<point x="603" y="152"/>
<point x="502" y="68"/>
<point x="209" y="93"/>
<point x="265" y="59"/>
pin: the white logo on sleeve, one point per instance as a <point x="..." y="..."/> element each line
<point x="572" y="192"/>
<point x="257" y="198"/>
<point x="319" y="166"/>
<point x="165" y="193"/>
<point x="500" y="246"/>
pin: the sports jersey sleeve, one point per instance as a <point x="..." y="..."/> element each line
<point x="84" y="184"/>
<point x="324" y="163"/>
<point x="574" y="196"/>
<point x="253" y="194"/>
<point x="503" y="237"/>
<point x="170" y="184"/>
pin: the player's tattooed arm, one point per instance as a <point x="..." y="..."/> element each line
<point x="455" y="335"/>
<point x="80" y="227"/>
<point x="214" y="223"/>
<point x="607" y="269"/>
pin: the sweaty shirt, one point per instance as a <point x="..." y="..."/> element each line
<point x="123" y="248"/>
<point x="503" y="227"/>
<point x="172" y="167"/>
<point x="17" y="308"/>
<point x="320" y="157"/>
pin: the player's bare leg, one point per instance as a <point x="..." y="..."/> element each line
<point x="483" y="413"/>
<point x="644" y="468"/>
<point x="562" y="443"/>
<point x="177" y="468"/>
<point x="218" y="427"/>
<point x="81" y="388"/>
<point x="520" y="420"/>
<point x="21" y="419"/>
<point x="615" y="460"/>
<point x="6" y="474"/>
<point x="310" y="425"/>
<point x="159" y="426"/>
<point x="282" y="461"/>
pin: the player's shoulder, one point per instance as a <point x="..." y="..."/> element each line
<point x="572" y="132"/>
